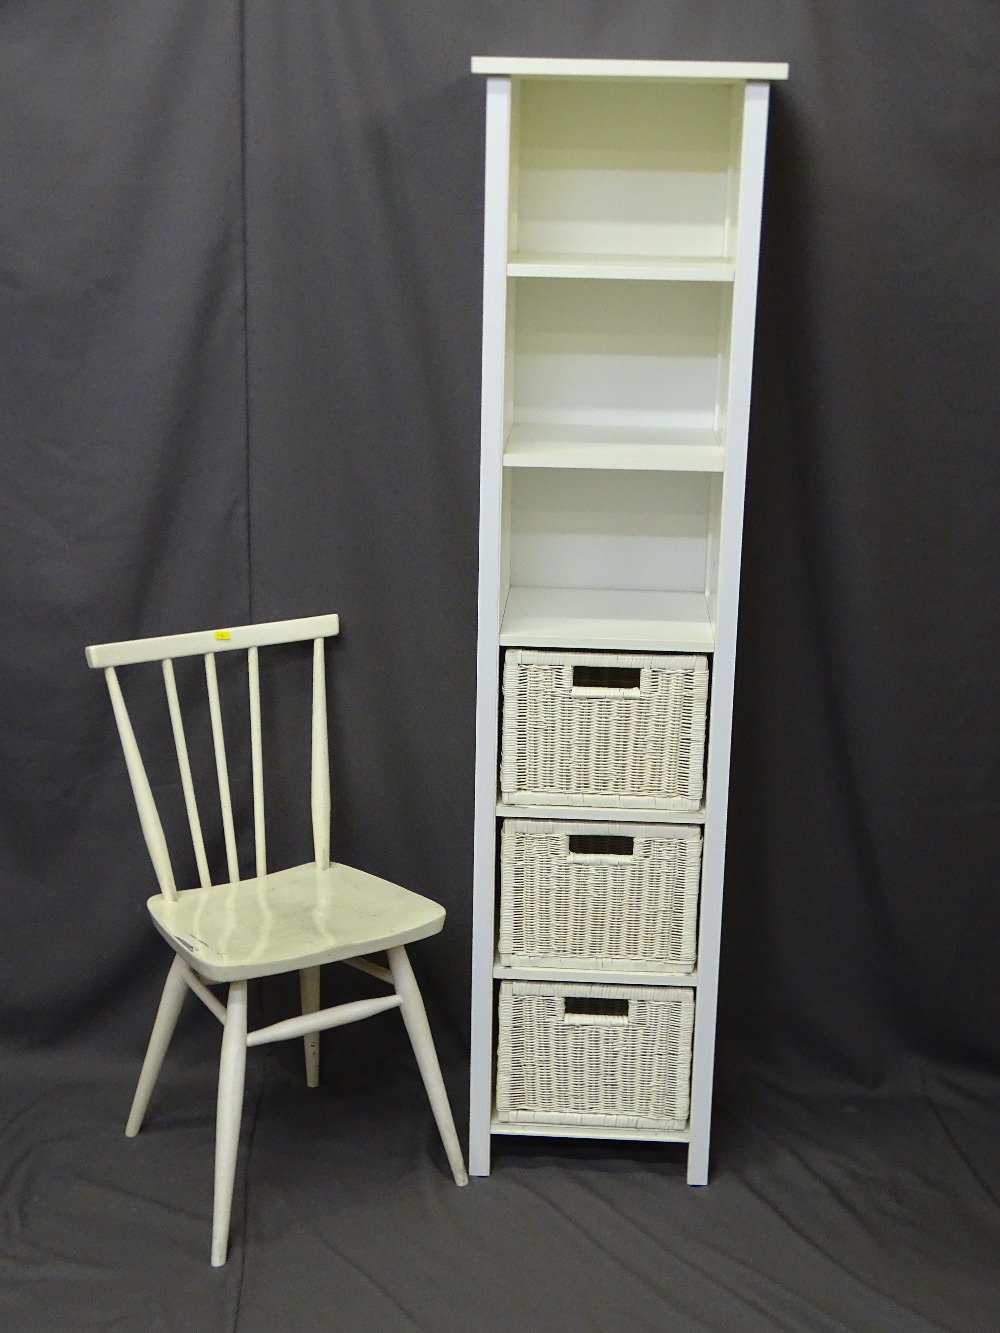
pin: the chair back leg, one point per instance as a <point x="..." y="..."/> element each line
<point x="229" y="1113"/>
<point x="171" y="1000"/>
<point x="309" y="992"/>
<point x="419" y="1032"/>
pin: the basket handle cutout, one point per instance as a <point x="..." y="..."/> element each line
<point x="601" y="845"/>
<point x="607" y="679"/>
<point x="584" y="1009"/>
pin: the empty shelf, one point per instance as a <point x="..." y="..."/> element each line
<point x="607" y="619"/>
<point x="616" y="448"/>
<point x="649" y="268"/>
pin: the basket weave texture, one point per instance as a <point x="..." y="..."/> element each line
<point x="627" y="1073"/>
<point x="635" y="912"/>
<point x="567" y="745"/>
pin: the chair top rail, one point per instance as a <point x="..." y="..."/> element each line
<point x="102" y="655"/>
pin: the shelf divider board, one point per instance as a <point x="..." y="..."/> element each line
<point x="605" y="814"/>
<point x="568" y="1131"/>
<point x="611" y="268"/>
<point x="607" y="619"/>
<point x="591" y="976"/>
<point x="615" y="448"/>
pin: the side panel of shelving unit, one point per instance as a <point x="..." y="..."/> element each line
<point x="494" y="414"/>
<point x="751" y="181"/>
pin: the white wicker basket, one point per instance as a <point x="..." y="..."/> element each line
<point x="610" y="1056"/>
<point x="622" y="896"/>
<point x="636" y="738"/>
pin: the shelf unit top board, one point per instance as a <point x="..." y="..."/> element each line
<point x="709" y="71"/>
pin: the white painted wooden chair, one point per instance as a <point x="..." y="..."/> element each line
<point x="287" y="920"/>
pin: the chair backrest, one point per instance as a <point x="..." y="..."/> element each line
<point x="249" y="638"/>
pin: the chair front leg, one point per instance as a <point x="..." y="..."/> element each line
<point x="418" y="1029"/>
<point x="309" y="993"/>
<point x="229" y="1113"/>
<point x="171" y="1000"/>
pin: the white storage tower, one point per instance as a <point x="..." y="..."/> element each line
<point x="622" y="229"/>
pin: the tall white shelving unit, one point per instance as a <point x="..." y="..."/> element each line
<point x="622" y="226"/>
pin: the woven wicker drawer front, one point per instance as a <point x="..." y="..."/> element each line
<point x="639" y="745"/>
<point x="630" y="1070"/>
<point x="633" y="906"/>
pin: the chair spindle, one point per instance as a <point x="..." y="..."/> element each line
<point x="184" y="764"/>
<point x="257" y="759"/>
<point x="320" y="762"/>
<point x="222" y="768"/>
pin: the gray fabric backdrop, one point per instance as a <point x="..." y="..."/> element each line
<point x="240" y="283"/>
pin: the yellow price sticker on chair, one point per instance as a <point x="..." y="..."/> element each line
<point x="222" y="634"/>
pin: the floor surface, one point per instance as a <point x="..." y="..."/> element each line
<point x="866" y="1213"/>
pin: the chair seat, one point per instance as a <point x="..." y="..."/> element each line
<point x="295" y="918"/>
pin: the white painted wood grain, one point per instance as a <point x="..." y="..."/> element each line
<point x="320" y="761"/>
<point x="184" y="764"/>
<point x="211" y="641"/>
<point x="607" y="618"/>
<point x="229" y="1114"/>
<point x="221" y="767"/>
<point x="613" y="448"/>
<point x="163" y="1029"/>
<point x="629" y="290"/>
<point x="322" y="1020"/>
<point x="295" y="919"/>
<point x="298" y="917"/>
<point x="497" y="202"/>
<point x="149" y="819"/>
<point x="257" y="762"/>
<point x="724" y="663"/>
<point x="726" y="71"/>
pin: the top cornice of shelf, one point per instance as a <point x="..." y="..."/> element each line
<point x="719" y="71"/>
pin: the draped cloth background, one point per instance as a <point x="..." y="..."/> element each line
<point x="240" y="302"/>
